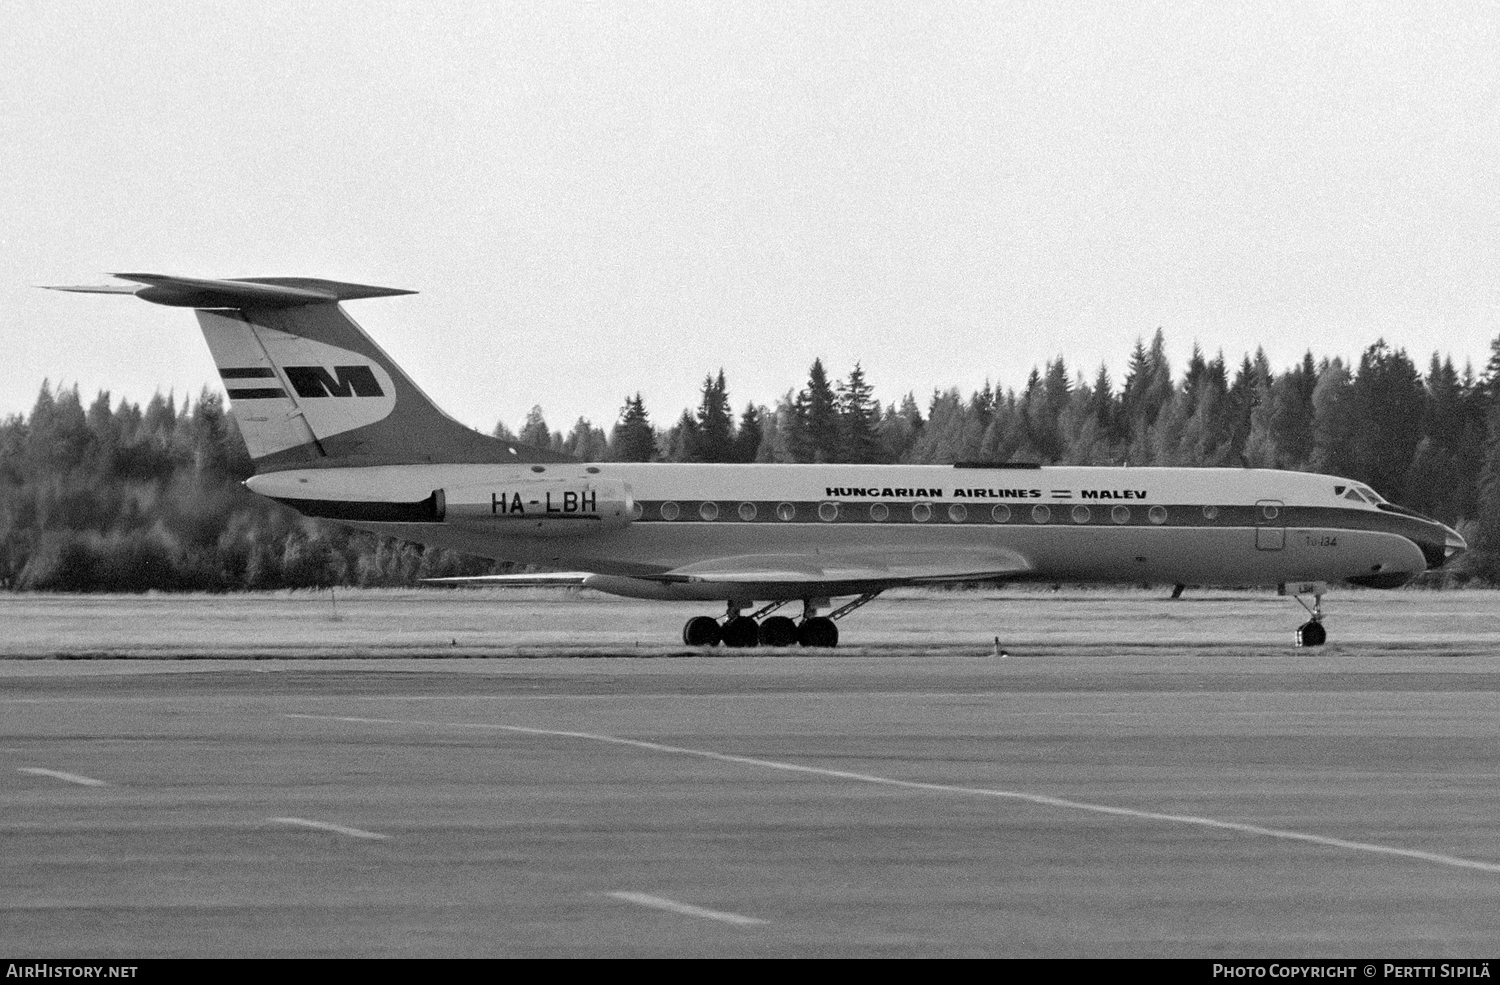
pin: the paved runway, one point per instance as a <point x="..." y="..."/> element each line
<point x="1250" y="802"/>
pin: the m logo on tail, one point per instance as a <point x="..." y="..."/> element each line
<point x="344" y="381"/>
<point x="289" y="391"/>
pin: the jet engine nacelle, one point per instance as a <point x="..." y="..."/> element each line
<point x="560" y="507"/>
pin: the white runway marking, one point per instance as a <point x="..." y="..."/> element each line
<point x="1435" y="858"/>
<point x="86" y="781"/>
<point x="326" y="826"/>
<point x="662" y="903"/>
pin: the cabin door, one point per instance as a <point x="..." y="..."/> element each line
<point x="1270" y="528"/>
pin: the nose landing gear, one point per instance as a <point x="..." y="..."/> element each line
<point x="1310" y="633"/>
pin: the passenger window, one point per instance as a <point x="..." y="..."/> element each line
<point x="1040" y="514"/>
<point x="1080" y="514"/>
<point x="747" y="511"/>
<point x="1158" y="514"/>
<point x="922" y="512"/>
<point x="1000" y="514"/>
<point x="878" y="512"/>
<point x="828" y="512"/>
<point x="785" y="511"/>
<point x="1120" y="514"/>
<point x="958" y="513"/>
<point x="709" y="511"/>
<point x="670" y="511"/>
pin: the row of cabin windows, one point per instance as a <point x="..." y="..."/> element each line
<point x="923" y="512"/>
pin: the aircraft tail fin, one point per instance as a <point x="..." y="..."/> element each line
<point x="307" y="385"/>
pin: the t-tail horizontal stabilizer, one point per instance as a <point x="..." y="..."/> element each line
<point x="247" y="292"/>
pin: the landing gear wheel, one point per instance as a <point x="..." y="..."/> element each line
<point x="740" y="631"/>
<point x="778" y="631"/>
<point x="701" y="631"/>
<point x="818" y="631"/>
<point x="1311" y="633"/>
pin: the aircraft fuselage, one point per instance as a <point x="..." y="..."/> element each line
<point x="927" y="523"/>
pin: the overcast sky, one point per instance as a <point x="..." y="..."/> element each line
<point x="598" y="198"/>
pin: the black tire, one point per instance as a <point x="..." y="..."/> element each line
<point x="701" y="631"/>
<point x="818" y="631"/>
<point x="740" y="632"/>
<point x="778" y="631"/>
<point x="1311" y="634"/>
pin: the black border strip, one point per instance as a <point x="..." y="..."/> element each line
<point x="978" y="513"/>
<point x="429" y="510"/>
<point x="268" y="393"/>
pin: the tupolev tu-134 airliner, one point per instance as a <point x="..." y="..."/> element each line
<point x="338" y="431"/>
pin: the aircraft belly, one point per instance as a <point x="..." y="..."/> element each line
<point x="1201" y="555"/>
<point x="1198" y="555"/>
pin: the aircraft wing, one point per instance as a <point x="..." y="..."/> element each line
<point x="534" y="579"/>
<point x="892" y="568"/>
<point x="785" y="575"/>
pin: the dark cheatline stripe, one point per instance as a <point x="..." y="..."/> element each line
<point x="250" y="373"/>
<point x="265" y="394"/>
<point x="1059" y="515"/>
<point x="429" y="510"/>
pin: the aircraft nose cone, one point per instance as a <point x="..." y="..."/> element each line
<point x="1453" y="544"/>
<point x="1443" y="546"/>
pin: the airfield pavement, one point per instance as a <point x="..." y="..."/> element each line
<point x="544" y="773"/>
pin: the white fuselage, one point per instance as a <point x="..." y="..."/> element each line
<point x="1200" y="526"/>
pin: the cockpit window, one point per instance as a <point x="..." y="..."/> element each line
<point x="1370" y="494"/>
<point x="1339" y="490"/>
<point x="1354" y="495"/>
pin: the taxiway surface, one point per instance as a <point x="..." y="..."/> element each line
<point x="1215" y="799"/>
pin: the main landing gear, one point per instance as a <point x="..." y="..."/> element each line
<point x="1310" y="633"/>
<point x="760" y="628"/>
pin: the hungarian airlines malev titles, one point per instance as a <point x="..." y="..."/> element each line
<point x="337" y="430"/>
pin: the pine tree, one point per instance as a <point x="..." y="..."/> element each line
<point x="1444" y="422"/>
<point x="814" y="433"/>
<point x="632" y="438"/>
<point x="1333" y="421"/>
<point x="951" y="433"/>
<point x="1389" y="404"/>
<point x="747" y="436"/>
<point x="983" y="404"/>
<point x="681" y="439"/>
<point x="1291" y="415"/>
<point x="711" y="438"/>
<point x="534" y="431"/>
<point x="898" y="429"/>
<point x="1484" y="559"/>
<point x="1148" y="387"/>
<point x="586" y="442"/>
<point x="859" y="416"/>
<point x="1103" y="407"/>
<point x="1041" y="408"/>
<point x="1194" y="380"/>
